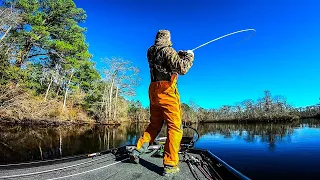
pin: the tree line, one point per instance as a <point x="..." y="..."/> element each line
<point x="265" y="109"/>
<point x="268" y="108"/>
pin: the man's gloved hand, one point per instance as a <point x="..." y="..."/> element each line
<point x="185" y="53"/>
<point x="190" y="52"/>
<point x="181" y="53"/>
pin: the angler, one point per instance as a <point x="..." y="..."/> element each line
<point x="165" y="65"/>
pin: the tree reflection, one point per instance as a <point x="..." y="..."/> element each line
<point x="269" y="133"/>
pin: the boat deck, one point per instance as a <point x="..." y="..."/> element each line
<point x="103" y="167"/>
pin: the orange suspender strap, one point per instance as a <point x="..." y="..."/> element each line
<point x="174" y="78"/>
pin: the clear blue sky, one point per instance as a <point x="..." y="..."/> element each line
<point x="283" y="56"/>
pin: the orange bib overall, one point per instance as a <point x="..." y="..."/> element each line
<point x="164" y="106"/>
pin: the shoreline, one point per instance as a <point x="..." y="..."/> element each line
<point x="51" y="123"/>
<point x="29" y="122"/>
<point x="55" y="123"/>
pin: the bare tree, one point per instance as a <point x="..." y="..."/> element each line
<point x="267" y="100"/>
<point x="115" y="104"/>
<point x="51" y="75"/>
<point x="9" y="17"/>
<point x="121" y="76"/>
<point x="67" y="88"/>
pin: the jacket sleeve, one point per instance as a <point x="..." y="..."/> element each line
<point x="178" y="64"/>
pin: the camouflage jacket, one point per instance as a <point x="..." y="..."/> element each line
<point x="164" y="60"/>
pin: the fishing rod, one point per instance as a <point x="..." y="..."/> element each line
<point x="244" y="30"/>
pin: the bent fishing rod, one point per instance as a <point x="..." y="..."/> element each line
<point x="216" y="39"/>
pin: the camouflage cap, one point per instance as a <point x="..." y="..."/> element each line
<point x="163" y="37"/>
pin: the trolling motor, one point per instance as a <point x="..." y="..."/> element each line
<point x="188" y="142"/>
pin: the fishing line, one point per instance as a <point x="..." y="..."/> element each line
<point x="224" y="37"/>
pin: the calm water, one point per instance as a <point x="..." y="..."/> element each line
<point x="260" y="151"/>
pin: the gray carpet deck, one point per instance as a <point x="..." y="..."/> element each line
<point x="101" y="167"/>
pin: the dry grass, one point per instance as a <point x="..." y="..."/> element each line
<point x="19" y="104"/>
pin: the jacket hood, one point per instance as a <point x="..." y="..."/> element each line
<point x="163" y="38"/>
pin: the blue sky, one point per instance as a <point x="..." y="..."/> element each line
<point x="283" y="56"/>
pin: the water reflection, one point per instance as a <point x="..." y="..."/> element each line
<point x="26" y="143"/>
<point x="269" y="133"/>
<point x="21" y="143"/>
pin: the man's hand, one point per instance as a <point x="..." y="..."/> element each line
<point x="190" y="52"/>
<point x="181" y="53"/>
<point x="184" y="53"/>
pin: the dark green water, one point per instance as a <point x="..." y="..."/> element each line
<point x="260" y="151"/>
